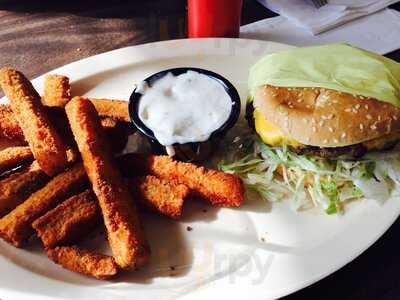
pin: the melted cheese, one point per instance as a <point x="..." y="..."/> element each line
<point x="270" y="134"/>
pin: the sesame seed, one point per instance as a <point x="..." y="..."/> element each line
<point x="321" y="123"/>
<point x="325" y="141"/>
<point x="314" y="129"/>
<point x="343" y="135"/>
<point x="361" y="127"/>
<point x="330" y="129"/>
<point x="379" y="118"/>
<point x="330" y="116"/>
<point x="395" y="118"/>
<point x="369" y="117"/>
<point x="335" y="141"/>
<point x="308" y="139"/>
<point x="373" y="127"/>
<point x="366" y="106"/>
<point x="265" y="93"/>
<point x="362" y="97"/>
<point x="308" y="106"/>
<point x="358" y="106"/>
<point x="313" y="121"/>
<point x="349" y="109"/>
<point x="299" y="100"/>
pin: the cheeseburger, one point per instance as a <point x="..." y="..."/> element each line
<point x="324" y="122"/>
<point x="318" y="101"/>
<point x="323" y="117"/>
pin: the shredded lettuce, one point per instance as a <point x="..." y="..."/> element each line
<point x="276" y="173"/>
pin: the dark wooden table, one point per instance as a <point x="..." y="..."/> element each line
<point x="38" y="36"/>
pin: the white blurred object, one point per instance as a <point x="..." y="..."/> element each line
<point x="378" y="32"/>
<point x="337" y="12"/>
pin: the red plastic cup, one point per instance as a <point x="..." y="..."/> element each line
<point x="214" y="18"/>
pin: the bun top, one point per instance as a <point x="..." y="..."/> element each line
<point x="326" y="118"/>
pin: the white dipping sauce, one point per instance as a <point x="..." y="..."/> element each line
<point x="185" y="108"/>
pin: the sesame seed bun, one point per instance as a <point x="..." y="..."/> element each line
<point x="324" y="117"/>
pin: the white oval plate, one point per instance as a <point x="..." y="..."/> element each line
<point x="223" y="256"/>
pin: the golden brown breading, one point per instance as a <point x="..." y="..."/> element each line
<point x="125" y="232"/>
<point x="47" y="146"/>
<point x="13" y="157"/>
<point x="16" y="227"/>
<point x="109" y="123"/>
<point x="164" y="196"/>
<point x="9" y="127"/>
<point x="75" y="217"/>
<point x="57" y="91"/>
<point x="69" y="221"/>
<point x="116" y="109"/>
<point x="217" y="187"/>
<point x="84" y="261"/>
<point x="17" y="187"/>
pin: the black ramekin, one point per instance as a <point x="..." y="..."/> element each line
<point x="189" y="151"/>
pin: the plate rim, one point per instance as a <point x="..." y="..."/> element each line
<point x="155" y="45"/>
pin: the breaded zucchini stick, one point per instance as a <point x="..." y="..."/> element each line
<point x="17" y="187"/>
<point x="125" y="232"/>
<point x="163" y="196"/>
<point x="69" y="221"/>
<point x="84" y="262"/>
<point x="9" y="128"/>
<point x="74" y="218"/>
<point x="16" y="227"/>
<point x="214" y="186"/>
<point x="57" y="91"/>
<point x="13" y="157"/>
<point x="115" y="109"/>
<point x="46" y="144"/>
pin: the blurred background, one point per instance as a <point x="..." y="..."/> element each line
<point x="46" y="34"/>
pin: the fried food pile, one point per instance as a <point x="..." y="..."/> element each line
<point x="64" y="178"/>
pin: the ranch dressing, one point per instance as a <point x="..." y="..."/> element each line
<point x="184" y="108"/>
